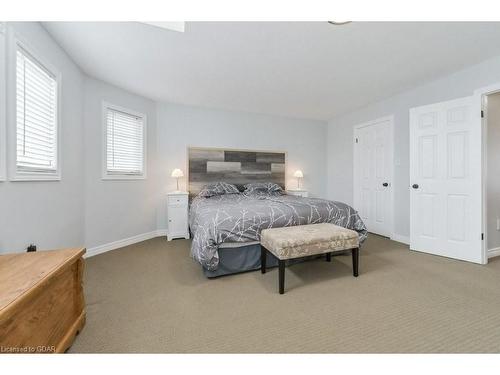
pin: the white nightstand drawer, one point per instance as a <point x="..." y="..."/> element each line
<point x="177" y="200"/>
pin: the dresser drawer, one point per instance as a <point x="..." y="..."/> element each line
<point x="181" y="200"/>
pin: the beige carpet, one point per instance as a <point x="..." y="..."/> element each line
<point x="152" y="297"/>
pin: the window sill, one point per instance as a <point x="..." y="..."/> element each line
<point x="123" y="177"/>
<point x="35" y="177"/>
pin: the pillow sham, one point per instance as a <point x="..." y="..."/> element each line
<point x="218" y="188"/>
<point x="262" y="187"/>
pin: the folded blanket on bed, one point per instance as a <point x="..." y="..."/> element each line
<point x="241" y="218"/>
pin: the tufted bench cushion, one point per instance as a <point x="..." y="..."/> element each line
<point x="304" y="240"/>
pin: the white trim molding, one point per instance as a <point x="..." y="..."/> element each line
<point x="3" y="102"/>
<point x="494" y="252"/>
<point x="480" y="96"/>
<point x="400" y="238"/>
<point x="356" y="166"/>
<point x="124" y="242"/>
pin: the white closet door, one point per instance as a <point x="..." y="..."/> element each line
<point x="445" y="178"/>
<point x="373" y="180"/>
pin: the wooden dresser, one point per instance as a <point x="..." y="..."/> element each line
<point x="42" y="307"/>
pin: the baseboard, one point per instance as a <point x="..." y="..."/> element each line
<point x="399" y="238"/>
<point x="161" y="232"/>
<point x="125" y="242"/>
<point x="494" y="252"/>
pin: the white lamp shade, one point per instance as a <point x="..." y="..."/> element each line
<point x="177" y="173"/>
<point x="298" y="174"/>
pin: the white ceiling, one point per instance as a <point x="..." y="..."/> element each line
<point x="298" y="69"/>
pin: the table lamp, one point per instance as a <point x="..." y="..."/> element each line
<point x="298" y="175"/>
<point x="177" y="173"/>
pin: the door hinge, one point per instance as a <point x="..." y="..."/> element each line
<point x="482" y="114"/>
<point x="482" y="236"/>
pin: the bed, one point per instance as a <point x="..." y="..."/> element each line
<point x="226" y="228"/>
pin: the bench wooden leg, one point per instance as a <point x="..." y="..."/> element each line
<point x="263" y="258"/>
<point x="355" y="261"/>
<point x="282" y="276"/>
<point x="328" y="257"/>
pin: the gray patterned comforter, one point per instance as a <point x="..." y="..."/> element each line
<point x="240" y="218"/>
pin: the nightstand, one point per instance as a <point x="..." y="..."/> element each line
<point x="298" y="193"/>
<point x="177" y="215"/>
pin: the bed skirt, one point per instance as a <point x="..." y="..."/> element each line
<point x="240" y="259"/>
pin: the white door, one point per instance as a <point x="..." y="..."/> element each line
<point x="445" y="180"/>
<point x="373" y="174"/>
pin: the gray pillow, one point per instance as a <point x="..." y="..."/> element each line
<point x="262" y="188"/>
<point x="218" y="188"/>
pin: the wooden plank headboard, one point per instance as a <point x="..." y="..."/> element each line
<point x="238" y="167"/>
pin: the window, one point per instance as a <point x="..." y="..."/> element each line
<point x="36" y="119"/>
<point x="124" y="143"/>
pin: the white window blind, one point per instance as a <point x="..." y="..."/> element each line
<point x="36" y="116"/>
<point x="124" y="143"/>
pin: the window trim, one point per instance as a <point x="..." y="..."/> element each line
<point x="3" y="104"/>
<point x="15" y="41"/>
<point x="122" y="176"/>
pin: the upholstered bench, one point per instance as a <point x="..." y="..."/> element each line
<point x="306" y="240"/>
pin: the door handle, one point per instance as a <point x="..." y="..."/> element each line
<point x="385" y="184"/>
<point x="415" y="186"/>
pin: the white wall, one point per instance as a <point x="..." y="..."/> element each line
<point x="181" y="126"/>
<point x="49" y="213"/>
<point x="340" y="146"/>
<point x="493" y="171"/>
<point x="116" y="210"/>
